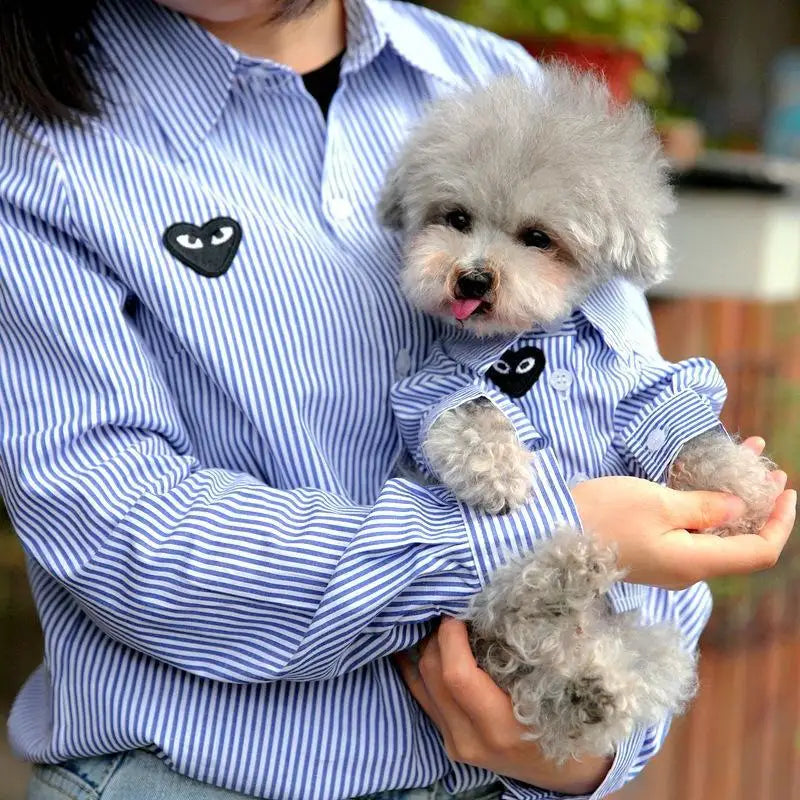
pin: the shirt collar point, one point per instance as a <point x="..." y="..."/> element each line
<point x="411" y="42"/>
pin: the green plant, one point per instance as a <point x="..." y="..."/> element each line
<point x="651" y="28"/>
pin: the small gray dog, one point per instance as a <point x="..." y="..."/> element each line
<point x="516" y="203"/>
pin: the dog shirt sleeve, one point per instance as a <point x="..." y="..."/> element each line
<point x="670" y="405"/>
<point x="688" y="610"/>
<point x="441" y="384"/>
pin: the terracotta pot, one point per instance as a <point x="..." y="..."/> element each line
<point x="616" y="65"/>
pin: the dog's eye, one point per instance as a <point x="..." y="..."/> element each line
<point x="458" y="219"/>
<point x="533" y="237"/>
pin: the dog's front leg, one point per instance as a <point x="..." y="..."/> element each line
<point x="475" y="451"/>
<point x="713" y="462"/>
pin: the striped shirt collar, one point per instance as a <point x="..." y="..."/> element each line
<point x="185" y="75"/>
<point x="609" y="308"/>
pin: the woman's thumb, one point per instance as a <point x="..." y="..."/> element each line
<point x="697" y="511"/>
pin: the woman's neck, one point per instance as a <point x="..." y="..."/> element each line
<point x="302" y="43"/>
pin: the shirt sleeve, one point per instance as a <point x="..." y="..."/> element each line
<point x="441" y="384"/>
<point x="207" y="569"/>
<point x="688" y="609"/>
<point x="671" y="404"/>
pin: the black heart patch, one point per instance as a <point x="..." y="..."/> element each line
<point x="208" y="249"/>
<point x="516" y="371"/>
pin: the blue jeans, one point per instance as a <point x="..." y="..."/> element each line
<point x="138" y="775"/>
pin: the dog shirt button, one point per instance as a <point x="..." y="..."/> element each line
<point x="656" y="439"/>
<point x="560" y="380"/>
<point x="340" y="208"/>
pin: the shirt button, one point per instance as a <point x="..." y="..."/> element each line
<point x="402" y="363"/>
<point x="578" y="477"/>
<point x="340" y="208"/>
<point x="656" y="439"/>
<point x="560" y="380"/>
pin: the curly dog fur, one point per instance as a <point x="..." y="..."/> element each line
<point x="580" y="677"/>
<point x="715" y="462"/>
<point x="475" y="452"/>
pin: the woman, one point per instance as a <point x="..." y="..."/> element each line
<point x="200" y="326"/>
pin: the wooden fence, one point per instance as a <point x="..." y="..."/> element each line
<point x="741" y="739"/>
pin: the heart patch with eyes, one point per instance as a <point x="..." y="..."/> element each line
<point x="208" y="249"/>
<point x="516" y="371"/>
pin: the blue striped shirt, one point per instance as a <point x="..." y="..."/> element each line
<point x="196" y="434"/>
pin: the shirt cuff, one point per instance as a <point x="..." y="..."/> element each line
<point x="621" y="771"/>
<point x="655" y="441"/>
<point x="526" y="433"/>
<point x="627" y="597"/>
<point x="496" y="538"/>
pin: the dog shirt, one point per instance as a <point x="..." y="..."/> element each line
<point x="590" y="395"/>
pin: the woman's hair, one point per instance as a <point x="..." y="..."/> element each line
<point x="42" y="75"/>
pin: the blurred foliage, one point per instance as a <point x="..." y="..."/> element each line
<point x="653" y="29"/>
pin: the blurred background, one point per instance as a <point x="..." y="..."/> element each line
<point x="723" y="80"/>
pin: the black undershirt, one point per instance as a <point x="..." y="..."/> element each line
<point x="321" y="82"/>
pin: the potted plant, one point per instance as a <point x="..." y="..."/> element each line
<point x="629" y="41"/>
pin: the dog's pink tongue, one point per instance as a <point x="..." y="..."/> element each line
<point x="463" y="308"/>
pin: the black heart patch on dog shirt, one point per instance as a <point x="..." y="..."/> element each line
<point x="516" y="371"/>
<point x="208" y="249"/>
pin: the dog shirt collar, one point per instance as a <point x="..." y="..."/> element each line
<point x="619" y="312"/>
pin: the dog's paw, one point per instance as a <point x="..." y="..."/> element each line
<point x="475" y="452"/>
<point x="583" y="688"/>
<point x="581" y="678"/>
<point x="713" y="462"/>
<point x="570" y="713"/>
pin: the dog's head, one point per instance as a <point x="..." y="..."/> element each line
<point x="517" y="201"/>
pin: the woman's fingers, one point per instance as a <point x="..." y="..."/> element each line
<point x="428" y="683"/>
<point x="699" y="511"/>
<point x="477" y="695"/>
<point x="781" y="522"/>
<point x="747" y="552"/>
<point x="409" y="670"/>
<point x="442" y="684"/>
<point x="780" y="478"/>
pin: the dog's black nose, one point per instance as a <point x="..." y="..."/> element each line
<point x="474" y="284"/>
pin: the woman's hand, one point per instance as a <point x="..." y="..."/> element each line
<point x="650" y="525"/>
<point x="476" y="720"/>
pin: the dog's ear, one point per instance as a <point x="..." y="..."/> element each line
<point x="390" y="202"/>
<point x="616" y="155"/>
<point x="638" y="248"/>
<point x="641" y="199"/>
<point x="650" y="262"/>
